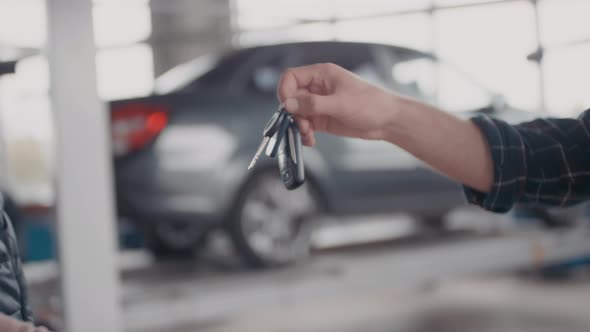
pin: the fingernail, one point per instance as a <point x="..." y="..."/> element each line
<point x="291" y="104"/>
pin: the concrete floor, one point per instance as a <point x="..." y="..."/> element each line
<point x="498" y="304"/>
<point x="374" y="288"/>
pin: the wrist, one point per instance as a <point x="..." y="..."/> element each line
<point x="395" y="121"/>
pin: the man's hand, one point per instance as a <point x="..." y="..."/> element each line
<point x="328" y="98"/>
<point x="8" y="324"/>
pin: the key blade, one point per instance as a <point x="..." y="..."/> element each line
<point x="259" y="152"/>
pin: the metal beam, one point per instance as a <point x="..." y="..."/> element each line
<point x="86" y="232"/>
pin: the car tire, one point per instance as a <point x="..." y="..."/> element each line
<point x="175" y="240"/>
<point x="271" y="226"/>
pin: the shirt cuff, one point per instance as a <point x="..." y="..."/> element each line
<point x="509" y="164"/>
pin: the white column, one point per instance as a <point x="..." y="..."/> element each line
<point x="86" y="228"/>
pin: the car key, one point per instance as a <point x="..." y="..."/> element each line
<point x="275" y="141"/>
<point x="272" y="126"/>
<point x="290" y="157"/>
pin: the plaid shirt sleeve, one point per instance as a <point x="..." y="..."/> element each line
<point x="545" y="162"/>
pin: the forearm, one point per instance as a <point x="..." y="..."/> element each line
<point x="453" y="146"/>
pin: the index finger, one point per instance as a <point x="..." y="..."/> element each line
<point x="294" y="79"/>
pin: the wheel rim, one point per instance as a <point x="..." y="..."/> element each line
<point x="276" y="222"/>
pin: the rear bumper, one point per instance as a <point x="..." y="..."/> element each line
<point x="147" y="193"/>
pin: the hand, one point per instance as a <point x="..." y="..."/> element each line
<point x="328" y="98"/>
<point x="9" y="324"/>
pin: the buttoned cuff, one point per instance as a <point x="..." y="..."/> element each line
<point x="509" y="165"/>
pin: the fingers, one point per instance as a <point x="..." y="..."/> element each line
<point x="294" y="79"/>
<point x="9" y="324"/>
<point x="307" y="132"/>
<point x="307" y="92"/>
<point x="308" y="104"/>
<point x="314" y="78"/>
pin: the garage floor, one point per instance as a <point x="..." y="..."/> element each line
<point x="500" y="304"/>
<point x="364" y="288"/>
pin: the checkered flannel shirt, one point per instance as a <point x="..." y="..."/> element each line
<point x="545" y="162"/>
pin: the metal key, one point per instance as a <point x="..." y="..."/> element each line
<point x="269" y="130"/>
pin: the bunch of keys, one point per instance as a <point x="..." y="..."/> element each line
<point x="282" y="139"/>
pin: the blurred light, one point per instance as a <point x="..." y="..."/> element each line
<point x="25" y="117"/>
<point x="118" y="24"/>
<point x="257" y="14"/>
<point x="122" y="2"/>
<point x="23" y="23"/>
<point x="156" y="122"/>
<point x="32" y="77"/>
<point x="25" y="103"/>
<point x="442" y="3"/>
<point x="125" y="72"/>
<point x="413" y="31"/>
<point x="564" y="21"/>
<point x="356" y="8"/>
<point x="308" y="32"/>
<point x="491" y="43"/>
<point x="567" y="74"/>
<point x="183" y="74"/>
<point x="458" y="93"/>
<point x="27" y="133"/>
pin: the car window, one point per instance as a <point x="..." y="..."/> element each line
<point x="264" y="75"/>
<point x="454" y="92"/>
<point x="356" y="57"/>
<point x="225" y="70"/>
<point x="347" y="55"/>
<point x="212" y="70"/>
<point x="184" y="75"/>
<point x="415" y="78"/>
<point x="417" y="75"/>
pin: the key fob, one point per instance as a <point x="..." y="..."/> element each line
<point x="274" y="143"/>
<point x="290" y="157"/>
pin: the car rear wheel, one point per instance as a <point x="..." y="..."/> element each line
<point x="270" y="225"/>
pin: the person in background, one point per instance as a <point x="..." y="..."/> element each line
<point x="13" y="289"/>
<point x="542" y="162"/>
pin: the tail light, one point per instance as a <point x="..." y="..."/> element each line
<point x="136" y="125"/>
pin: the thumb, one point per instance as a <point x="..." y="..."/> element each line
<point x="308" y="104"/>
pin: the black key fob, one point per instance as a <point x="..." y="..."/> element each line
<point x="278" y="137"/>
<point x="290" y="157"/>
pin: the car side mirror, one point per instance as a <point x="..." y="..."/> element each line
<point x="7" y="67"/>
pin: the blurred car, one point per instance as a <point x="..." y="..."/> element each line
<point x="181" y="155"/>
